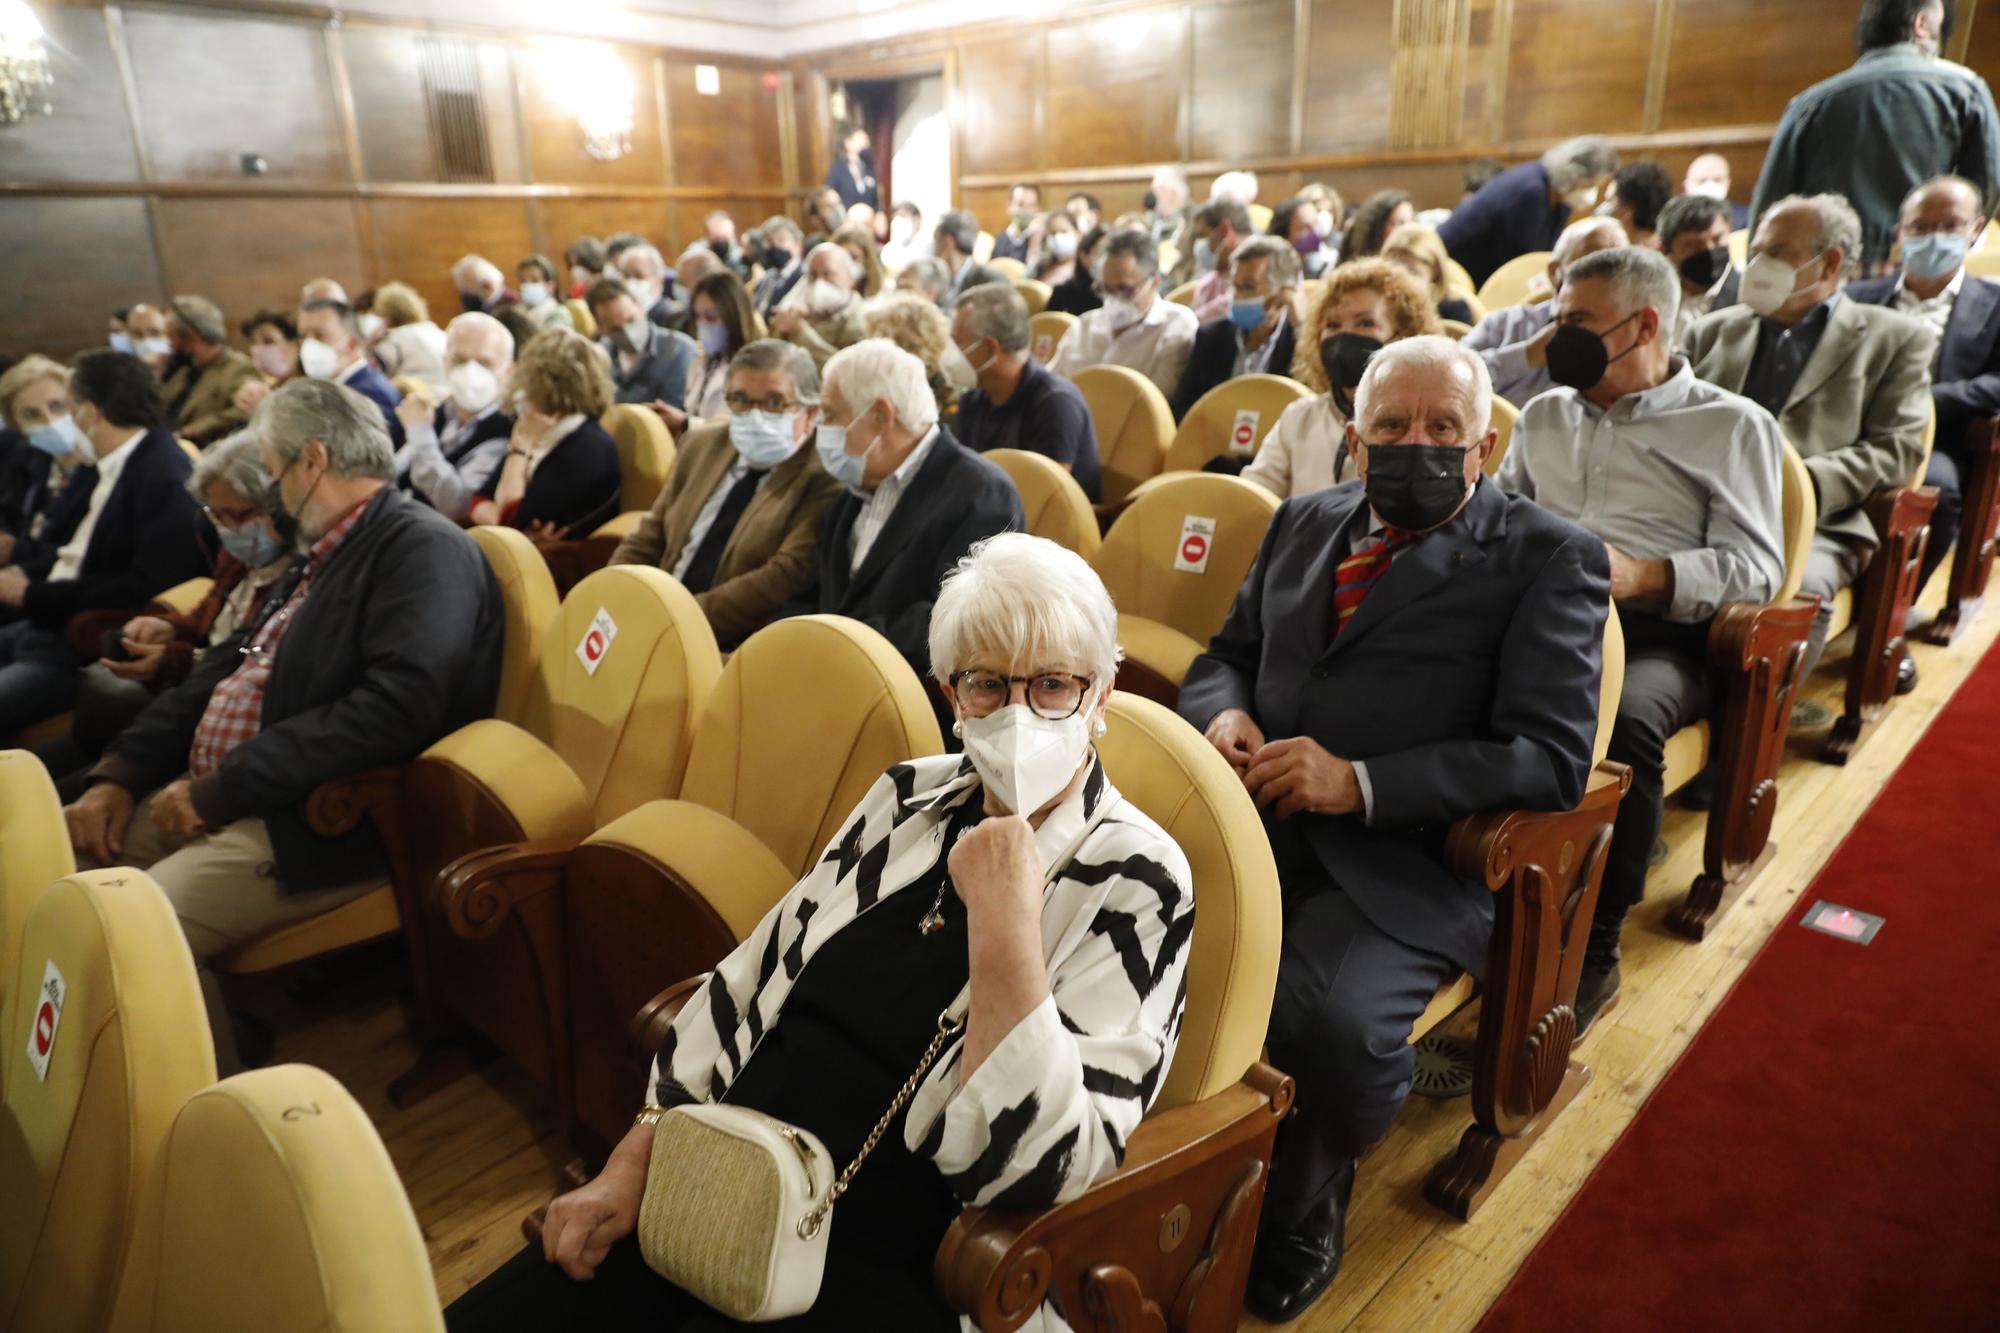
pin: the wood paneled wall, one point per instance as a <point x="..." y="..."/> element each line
<point x="135" y="188"/>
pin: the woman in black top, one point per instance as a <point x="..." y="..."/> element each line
<point x="560" y="480"/>
<point x="1077" y="294"/>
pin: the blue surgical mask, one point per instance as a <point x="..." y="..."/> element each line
<point x="57" y="439"/>
<point x="763" y="439"/>
<point x="252" y="543"/>
<point x="843" y="467"/>
<point x="1246" y="315"/>
<point x="714" y="338"/>
<point x="122" y="342"/>
<point x="1935" y="254"/>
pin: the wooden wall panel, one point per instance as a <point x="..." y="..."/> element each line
<point x="1115" y="89"/>
<point x="726" y="138"/>
<point x="1982" y="42"/>
<point x="90" y="135"/>
<point x="989" y="205"/>
<point x="213" y="87"/>
<point x="1350" y="52"/>
<point x="1242" y="89"/>
<point x="73" y="290"/>
<point x="555" y="140"/>
<point x="384" y="70"/>
<point x="565" y="220"/>
<point x="1577" y="67"/>
<point x="418" y="240"/>
<point x="502" y="100"/>
<point x="998" y="83"/>
<point x="243" y="258"/>
<point x="1731" y="62"/>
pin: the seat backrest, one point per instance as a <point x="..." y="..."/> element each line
<point x="188" y="447"/>
<point x="1508" y="284"/>
<point x="1134" y="425"/>
<point x="1008" y="267"/>
<point x="183" y="598"/>
<point x="1182" y="295"/>
<point x="1055" y="506"/>
<point x="1739" y="246"/>
<point x="1180" y="553"/>
<point x="34" y="853"/>
<point x="982" y="247"/>
<point x="1454" y="329"/>
<point x="810" y="711"/>
<point x="1505" y="414"/>
<point x="579" y="314"/>
<point x="1801" y="510"/>
<point x="1163" y="766"/>
<point x="1232" y="420"/>
<point x="1035" y="293"/>
<point x="645" y="453"/>
<point x="312" y="1231"/>
<point x="618" y="696"/>
<point x="1046" y="330"/>
<point x="1930" y="443"/>
<point x="529" y="596"/>
<point x="1260" y="216"/>
<point x="410" y="386"/>
<point x="1611" y="687"/>
<point x="106" y="991"/>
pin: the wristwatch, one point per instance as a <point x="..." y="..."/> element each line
<point x="649" y="1116"/>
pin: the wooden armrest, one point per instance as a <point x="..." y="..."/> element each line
<point x="1900" y="510"/>
<point x="479" y="890"/>
<point x="338" y="805"/>
<point x="1487" y="846"/>
<point x="649" y="1026"/>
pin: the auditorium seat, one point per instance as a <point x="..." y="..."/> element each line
<point x="1510" y="283"/>
<point x="1034" y="292"/>
<point x="183" y="598"/>
<point x="1046" y="332"/>
<point x="1183" y="294"/>
<point x="1134" y="427"/>
<point x="645" y="460"/>
<point x="808" y="714"/>
<point x="1972" y="561"/>
<point x="34" y="853"/>
<point x="272" y="1204"/>
<point x="1739" y="246"/>
<point x="1505" y="414"/>
<point x="982" y="248"/>
<point x="107" y="985"/>
<point x="1054" y="505"/>
<point x="1173" y="563"/>
<point x="1231" y="420"/>
<point x="410" y="386"/>
<point x="1008" y="267"/>
<point x="1454" y="329"/>
<point x="579" y="314"/>
<point x="193" y="451"/>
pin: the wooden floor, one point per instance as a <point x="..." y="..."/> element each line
<point x="480" y="1154"/>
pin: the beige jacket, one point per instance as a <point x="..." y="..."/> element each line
<point x="210" y="410"/>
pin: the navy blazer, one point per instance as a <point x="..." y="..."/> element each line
<point x="778" y="285"/>
<point x="660" y="375"/>
<point x="577" y="487"/>
<point x="862" y="189"/>
<point x="955" y="499"/>
<point x="1510" y="216"/>
<point x="1467" y="680"/>
<point x="39" y="507"/>
<point x="1212" y="361"/>
<point x="149" y="536"/>
<point x="373" y="385"/>
<point x="1965" y="378"/>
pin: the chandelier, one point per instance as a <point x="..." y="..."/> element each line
<point x="24" y="64"/>
<point x="597" y="88"/>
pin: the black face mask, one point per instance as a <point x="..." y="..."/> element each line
<point x="1705" y="269"/>
<point x="1149" y="201"/>
<point x="1344" y="356"/>
<point x="1415" y="487"/>
<point x="471" y="301"/>
<point x="776" y="257"/>
<point x="1577" y="357"/>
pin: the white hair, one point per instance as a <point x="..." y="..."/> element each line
<point x="697" y="257"/>
<point x="648" y="257"/>
<point x="1039" y="604"/>
<point x="1238" y="185"/>
<point x="875" y="370"/>
<point x="478" y="268"/>
<point x="479" y="329"/>
<point x="1430" y="352"/>
<point x="837" y="255"/>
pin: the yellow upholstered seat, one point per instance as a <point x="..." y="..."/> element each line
<point x="1454" y="329"/>
<point x="1231" y="419"/>
<point x="1134" y="426"/>
<point x="645" y="453"/>
<point x="1055" y="506"/>
<point x="1505" y="414"/>
<point x="1182" y="295"/>
<point x="272" y="1204"/>
<point x="1260" y="216"/>
<point x="982" y="248"/>
<point x="1035" y="292"/>
<point x="1046" y="330"/>
<point x="188" y="447"/>
<point x="1508" y="284"/>
<point x="1009" y="267"/>
<point x="409" y="386"/>
<point x="34" y="853"/>
<point x="1739" y="246"/>
<point x="579" y="314"/>
<point x="125" y="1045"/>
<point x="185" y="597"/>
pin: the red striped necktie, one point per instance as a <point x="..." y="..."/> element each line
<point x="1361" y="571"/>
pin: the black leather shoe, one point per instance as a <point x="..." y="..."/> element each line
<point x="1596" y="991"/>
<point x="1293" y="1269"/>
<point x="1906" y="674"/>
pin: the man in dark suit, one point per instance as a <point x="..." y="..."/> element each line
<point x="1257" y="335"/>
<point x="852" y="175"/>
<point x="953" y="241"/>
<point x="137" y="533"/>
<point x="1418" y="646"/>
<point x="916" y="500"/>
<point x="331" y="349"/>
<point x="1525" y="208"/>
<point x="649" y="364"/>
<point x="781" y="250"/>
<point x="1940" y="220"/>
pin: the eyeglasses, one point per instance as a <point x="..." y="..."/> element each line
<point x="739" y="403"/>
<point x="229" y="518"/>
<point x="1053" y="695"/>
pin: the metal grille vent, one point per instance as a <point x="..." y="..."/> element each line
<point x="1427" y="102"/>
<point x="454" y="109"/>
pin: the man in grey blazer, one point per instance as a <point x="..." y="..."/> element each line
<point x="1848" y="382"/>
<point x="1410" y="648"/>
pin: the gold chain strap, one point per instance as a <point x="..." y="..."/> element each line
<point x="949" y="1026"/>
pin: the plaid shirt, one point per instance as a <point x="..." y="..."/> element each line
<point x="236" y="706"/>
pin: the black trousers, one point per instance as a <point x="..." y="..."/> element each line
<point x="1945" y="472"/>
<point x="1667" y="686"/>
<point x="1348" y="996"/>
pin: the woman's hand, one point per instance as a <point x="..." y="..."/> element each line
<point x="996" y="865"/>
<point x="147" y="629"/>
<point x="250" y="395"/>
<point x="530" y="429"/>
<point x="581" y="1227"/>
<point x="141" y="663"/>
<point x="998" y="873"/>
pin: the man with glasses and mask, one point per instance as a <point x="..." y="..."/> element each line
<point x="1019" y="403"/>
<point x="1694" y="236"/>
<point x="1683" y="482"/>
<point x="1136" y="326"/>
<point x="1409" y="648"/>
<point x="453" y="450"/>
<point x="1256" y="331"/>
<point x="1941" y="220"/>
<point x="385" y="636"/>
<point x="1513" y="341"/>
<point x="1849" y="383"/>
<point x="738" y="520"/>
<point x="649" y="364"/>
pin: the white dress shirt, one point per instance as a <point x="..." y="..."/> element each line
<point x="1686" y="472"/>
<point x="1157" y="346"/>
<point x="1302" y="450"/>
<point x="1936" y="311"/>
<point x="451" y="488"/>
<point x="69" y="559"/>
<point x="879" y="503"/>
<point x="1502" y="339"/>
<point x="1256" y="360"/>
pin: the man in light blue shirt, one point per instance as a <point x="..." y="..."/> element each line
<point x="1513" y="340"/>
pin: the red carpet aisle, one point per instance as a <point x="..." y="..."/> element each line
<point x="1826" y="1156"/>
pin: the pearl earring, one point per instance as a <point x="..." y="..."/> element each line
<point x="958" y="729"/>
<point x="1100" y="729"/>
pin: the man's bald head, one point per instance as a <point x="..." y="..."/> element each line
<point x="323" y="289"/>
<point x="1942" y="196"/>
<point x="696" y="263"/>
<point x="477" y="336"/>
<point x="1584" y="238"/>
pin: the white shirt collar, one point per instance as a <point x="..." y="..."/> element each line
<point x="110" y="464"/>
<point x="360" y="364"/>
<point x="908" y="467"/>
<point x="1949" y="294"/>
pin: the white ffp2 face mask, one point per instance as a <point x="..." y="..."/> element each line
<point x="1768" y="282"/>
<point x="1025" y="759"/>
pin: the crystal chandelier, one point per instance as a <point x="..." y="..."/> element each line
<point x="24" y="64"/>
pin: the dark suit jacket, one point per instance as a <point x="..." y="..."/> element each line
<point x="148" y="537"/>
<point x="974" y="274"/>
<point x="577" y="487"/>
<point x="1213" y="361"/>
<point x="397" y="644"/>
<point x="372" y="384"/>
<point x="1467" y="681"/>
<point x="854" y="189"/>
<point x="776" y="287"/>
<point x="1510" y="216"/>
<point x="955" y="498"/>
<point x="493" y="426"/>
<point x="1965" y="374"/>
<point x="40" y="509"/>
<point x="660" y="374"/>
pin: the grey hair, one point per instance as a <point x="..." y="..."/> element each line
<point x="778" y="222"/>
<point x="1235" y="185"/>
<point x="202" y="317"/>
<point x="931" y="273"/>
<point x="1639" y="277"/>
<point x="1284" y="267"/>
<point x="1138" y="244"/>
<point x="1430" y="351"/>
<point x="961" y="227"/>
<point x="844" y="262"/>
<point x="234" y="461"/>
<point x="647" y="255"/>
<point x="349" y="425"/>
<point x="1040" y="603"/>
<point x="1839" y="225"/>
<point x="875" y="370"/>
<point x="480" y="268"/>
<point x="698" y="257"/>
<point x="767" y="356"/>
<point x="1580" y="159"/>
<point x="995" y="310"/>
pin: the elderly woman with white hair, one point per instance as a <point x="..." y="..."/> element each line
<point x="1003" y="924"/>
<point x="823" y="313"/>
<point x="480" y="283"/>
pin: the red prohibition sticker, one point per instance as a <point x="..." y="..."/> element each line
<point x="48" y="1018"/>
<point x="1197" y="538"/>
<point x="596" y="641"/>
<point x="1243" y="436"/>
